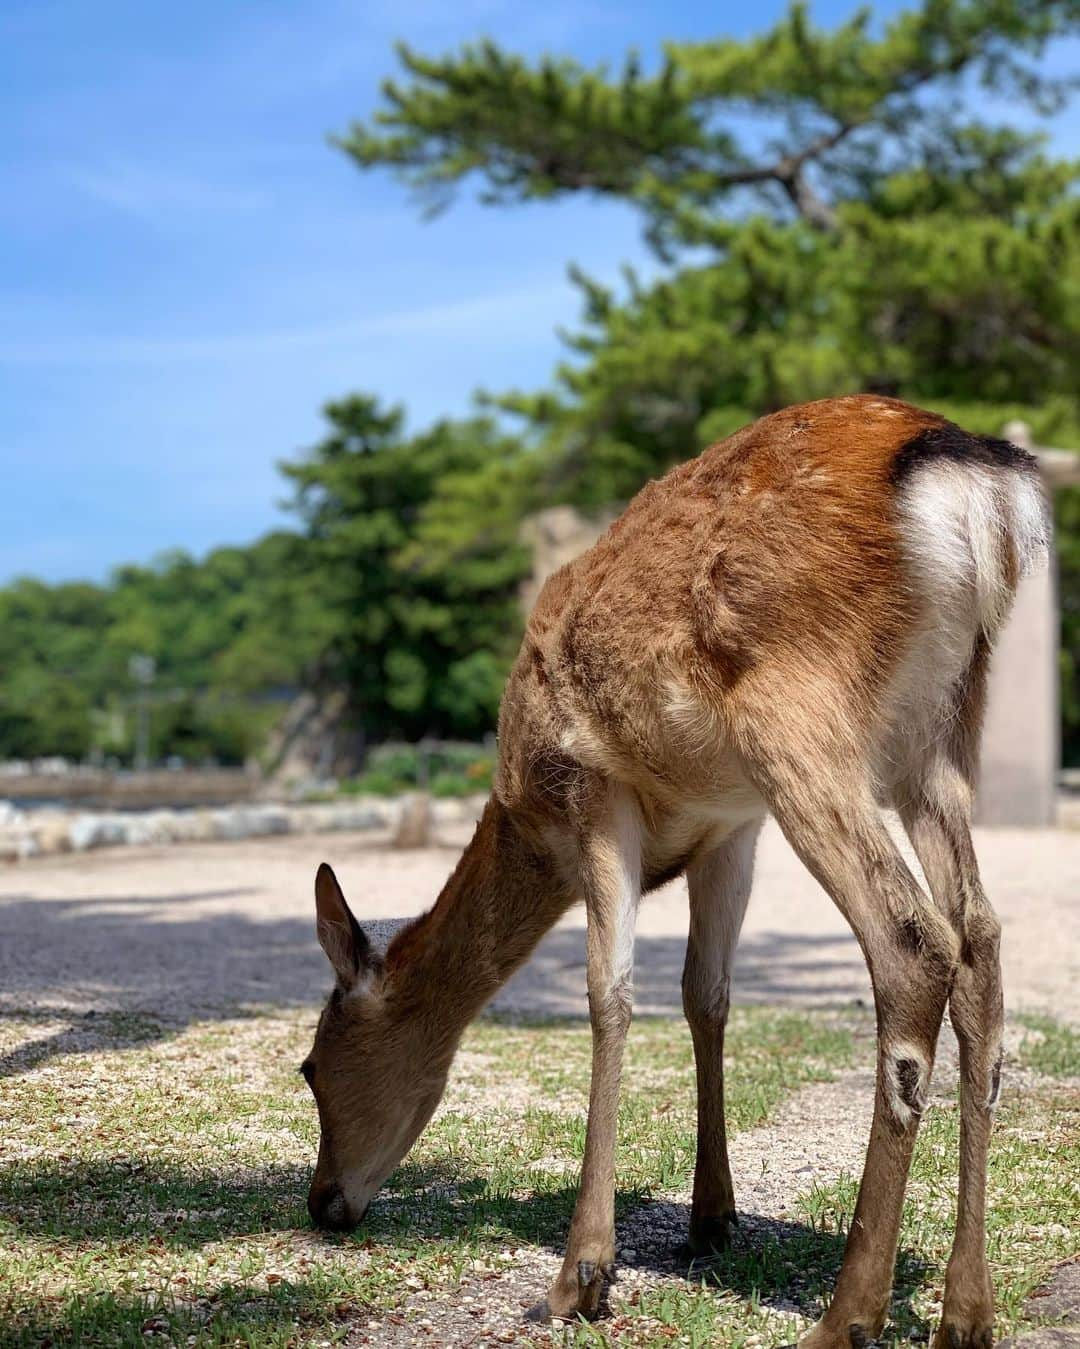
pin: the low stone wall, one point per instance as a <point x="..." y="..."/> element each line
<point x="106" y="790"/>
<point x="36" y="833"/>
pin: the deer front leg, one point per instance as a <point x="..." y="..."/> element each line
<point x="611" y="873"/>
<point x="719" y="885"/>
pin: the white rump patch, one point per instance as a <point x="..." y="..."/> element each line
<point x="970" y="533"/>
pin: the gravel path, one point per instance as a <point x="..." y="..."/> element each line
<point x="195" y="930"/>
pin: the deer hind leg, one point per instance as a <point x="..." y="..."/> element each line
<point x="936" y="811"/>
<point x="611" y="878"/>
<point x="719" y="885"/>
<point x="828" y="814"/>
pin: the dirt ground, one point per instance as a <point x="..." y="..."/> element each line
<point x="189" y="931"/>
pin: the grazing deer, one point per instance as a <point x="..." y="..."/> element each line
<point x="798" y="622"/>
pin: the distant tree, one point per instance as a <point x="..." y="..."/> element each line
<point x="43" y="714"/>
<point x="50" y="655"/>
<point x="225" y="632"/>
<point x="422" y="602"/>
<point x="401" y="591"/>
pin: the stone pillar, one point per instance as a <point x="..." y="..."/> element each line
<point x="556" y="536"/>
<point x="1021" y="751"/>
<point x="1021" y="746"/>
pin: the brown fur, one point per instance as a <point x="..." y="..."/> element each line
<point x="732" y="646"/>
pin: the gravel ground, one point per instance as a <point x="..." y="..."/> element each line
<point x="195" y="930"/>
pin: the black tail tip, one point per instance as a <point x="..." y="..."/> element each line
<point x="951" y="442"/>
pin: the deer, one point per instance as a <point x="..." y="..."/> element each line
<point x="796" y="623"/>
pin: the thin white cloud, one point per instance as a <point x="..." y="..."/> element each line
<point x="152" y="194"/>
<point x="506" y="314"/>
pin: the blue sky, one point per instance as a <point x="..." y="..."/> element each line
<point x="188" y="270"/>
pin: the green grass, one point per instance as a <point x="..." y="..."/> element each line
<point x="443" y="769"/>
<point x="1033" y="1204"/>
<point x="1049" y="1047"/>
<point x="1033" y="1217"/>
<point x="152" y="1186"/>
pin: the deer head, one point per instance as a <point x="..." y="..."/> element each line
<point x="377" y="1068"/>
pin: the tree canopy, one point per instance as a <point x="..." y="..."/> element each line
<point x="421" y="599"/>
<point x="797" y="117"/>
<point x="400" y="588"/>
<point x="214" y="629"/>
<point x="835" y="214"/>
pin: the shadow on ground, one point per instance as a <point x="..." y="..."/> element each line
<point x="781" y="1263"/>
<point x="100" y="964"/>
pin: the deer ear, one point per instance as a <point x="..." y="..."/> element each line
<point x="340" y="935"/>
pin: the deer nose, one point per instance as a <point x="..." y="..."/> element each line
<point x="330" y="1210"/>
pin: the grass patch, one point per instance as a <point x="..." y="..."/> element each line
<point x="1050" y="1047"/>
<point x="153" y="1182"/>
<point x="1033" y="1208"/>
<point x="152" y="1187"/>
<point x="768" y="1290"/>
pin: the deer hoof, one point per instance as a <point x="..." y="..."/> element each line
<point x="576" y="1292"/>
<point x="709" y="1236"/>
<point x="950" y="1335"/>
<point x="540" y="1312"/>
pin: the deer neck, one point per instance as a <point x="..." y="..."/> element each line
<point x="501" y="898"/>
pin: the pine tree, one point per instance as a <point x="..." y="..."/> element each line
<point x="862" y="229"/>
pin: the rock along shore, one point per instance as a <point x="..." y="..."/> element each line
<point x="43" y="832"/>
